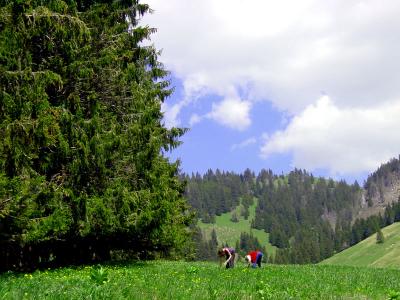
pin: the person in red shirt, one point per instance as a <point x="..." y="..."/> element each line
<point x="254" y="258"/>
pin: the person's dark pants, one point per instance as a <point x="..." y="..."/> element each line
<point x="258" y="260"/>
<point x="231" y="262"/>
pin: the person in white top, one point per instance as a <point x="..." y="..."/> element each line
<point x="229" y="254"/>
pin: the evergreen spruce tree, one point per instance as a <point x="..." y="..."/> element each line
<point x="82" y="134"/>
<point x="214" y="239"/>
<point x="213" y="246"/>
<point x="198" y="241"/>
<point x="234" y="217"/>
<point x="380" y="238"/>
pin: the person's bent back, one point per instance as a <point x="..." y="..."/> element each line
<point x="254" y="258"/>
<point x="229" y="254"/>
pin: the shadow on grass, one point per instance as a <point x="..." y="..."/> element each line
<point x="131" y="263"/>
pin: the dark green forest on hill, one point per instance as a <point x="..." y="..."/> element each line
<point x="307" y="218"/>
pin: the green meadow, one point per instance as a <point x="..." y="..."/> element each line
<point x="202" y="280"/>
<point x="229" y="232"/>
<point x="369" y="253"/>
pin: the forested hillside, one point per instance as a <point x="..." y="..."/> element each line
<point x="307" y="218"/>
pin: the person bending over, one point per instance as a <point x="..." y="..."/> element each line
<point x="229" y="254"/>
<point x="254" y="258"/>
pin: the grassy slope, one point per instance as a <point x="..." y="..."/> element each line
<point x="229" y="232"/>
<point x="180" y="280"/>
<point x="369" y="253"/>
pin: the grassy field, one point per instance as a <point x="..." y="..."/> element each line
<point x="182" y="280"/>
<point x="369" y="253"/>
<point x="229" y="232"/>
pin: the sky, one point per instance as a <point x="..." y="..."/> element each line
<point x="283" y="84"/>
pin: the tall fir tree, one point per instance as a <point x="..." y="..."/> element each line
<point x="81" y="133"/>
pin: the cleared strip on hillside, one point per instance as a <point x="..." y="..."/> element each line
<point x="229" y="232"/>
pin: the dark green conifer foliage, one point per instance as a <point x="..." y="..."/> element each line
<point x="81" y="131"/>
<point x="380" y="238"/>
<point x="248" y="242"/>
<point x="214" y="239"/>
<point x="205" y="249"/>
<point x="234" y="217"/>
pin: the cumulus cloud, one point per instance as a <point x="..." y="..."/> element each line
<point x="244" y="144"/>
<point x="171" y="113"/>
<point x="289" y="52"/>
<point x="288" y="56"/>
<point x="231" y="112"/>
<point x="194" y="119"/>
<point x="193" y="90"/>
<point x="344" y="141"/>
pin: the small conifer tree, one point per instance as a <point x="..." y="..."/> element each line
<point x="380" y="238"/>
<point x="234" y="217"/>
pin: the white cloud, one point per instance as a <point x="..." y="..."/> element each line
<point x="194" y="119"/>
<point x="288" y="53"/>
<point x="244" y="144"/>
<point x="171" y="113"/>
<point x="193" y="90"/>
<point x="284" y="51"/>
<point x="231" y="112"/>
<point x="344" y="141"/>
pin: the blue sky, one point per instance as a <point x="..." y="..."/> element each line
<point x="209" y="145"/>
<point x="313" y="87"/>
